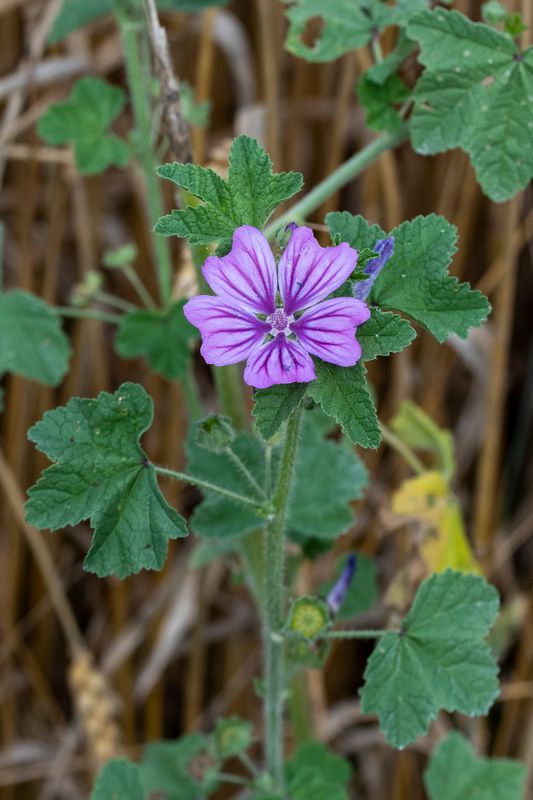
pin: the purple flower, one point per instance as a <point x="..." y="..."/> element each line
<point x="244" y="322"/>
<point x="338" y="593"/>
<point x="385" y="249"/>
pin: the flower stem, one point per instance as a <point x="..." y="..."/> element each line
<point x="354" y="634"/>
<point x="136" y="54"/>
<point x="114" y="302"/>
<point x="138" y="285"/>
<point x="245" y="472"/>
<point x="339" y="178"/>
<point x="88" y="313"/>
<point x="274" y="607"/>
<point x="402" y="449"/>
<point x="208" y="487"/>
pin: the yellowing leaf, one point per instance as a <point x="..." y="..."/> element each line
<point x="428" y="498"/>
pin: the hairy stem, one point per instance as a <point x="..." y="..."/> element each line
<point x="339" y="178"/>
<point x="245" y="472"/>
<point x="274" y="606"/>
<point x="207" y="486"/>
<point x="134" y="42"/>
<point x="368" y="634"/>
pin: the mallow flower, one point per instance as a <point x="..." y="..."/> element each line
<point x="276" y="317"/>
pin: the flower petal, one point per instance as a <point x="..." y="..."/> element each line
<point x="247" y="275"/>
<point x="328" y="330"/>
<point x="385" y="250"/>
<point x="278" y="361"/>
<point x="307" y="272"/>
<point x="229" y="332"/>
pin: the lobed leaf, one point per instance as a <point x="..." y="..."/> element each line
<point x="32" y="341"/>
<point x="248" y="197"/>
<point x="313" y="773"/>
<point x="163" y="337"/>
<point x="455" y="773"/>
<point x="320" y="498"/>
<point x="438" y="660"/>
<point x="74" y="14"/>
<point x="102" y="474"/>
<point x="346" y="24"/>
<point x="273" y="406"/>
<point x="119" y="778"/>
<point x="384" y="333"/>
<point x="379" y="101"/>
<point x="476" y="93"/>
<point x="343" y="393"/>
<point x="84" y="119"/>
<point x="167" y="768"/>
<point x="416" y="280"/>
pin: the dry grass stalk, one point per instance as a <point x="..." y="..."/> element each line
<point x="96" y="707"/>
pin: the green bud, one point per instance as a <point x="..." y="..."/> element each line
<point x="309" y="617"/>
<point x="232" y="736"/>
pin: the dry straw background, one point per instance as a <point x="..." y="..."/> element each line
<point x="91" y="668"/>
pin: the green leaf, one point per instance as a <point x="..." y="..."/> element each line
<point x="163" y="337"/>
<point x="313" y="773"/>
<point x="403" y="48"/>
<point x="343" y="393"/>
<point x="74" y="14"/>
<point x="273" y="406"/>
<point x="362" y="593"/>
<point x="214" y="433"/>
<point x="117" y="780"/>
<point x="476" y="93"/>
<point x="384" y="333"/>
<point x="493" y="12"/>
<point x="179" y="769"/>
<point x="456" y="773"/>
<point x="319" y="500"/>
<point x="437" y="661"/>
<point x="84" y="119"/>
<point x="360" y="234"/>
<point x="232" y="736"/>
<point x="32" y="342"/>
<point x="248" y="197"/>
<point x="216" y="517"/>
<point x="328" y="477"/>
<point x="379" y="101"/>
<point x="346" y="25"/>
<point x="416" y="280"/>
<point x="195" y="113"/>
<point x="101" y="473"/>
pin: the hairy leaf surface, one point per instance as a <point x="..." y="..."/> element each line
<point x="101" y="473"/>
<point x="439" y="659"/>
<point x="476" y="93"/>
<point x="248" y="197"/>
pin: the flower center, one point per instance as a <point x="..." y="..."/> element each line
<point x="280" y="322"/>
